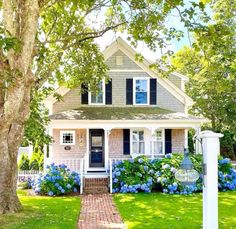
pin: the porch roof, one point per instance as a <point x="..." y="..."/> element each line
<point x="121" y="113"/>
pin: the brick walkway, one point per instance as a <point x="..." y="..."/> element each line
<point x="99" y="211"/>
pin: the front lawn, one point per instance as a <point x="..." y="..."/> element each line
<point x="157" y="210"/>
<point x="43" y="212"/>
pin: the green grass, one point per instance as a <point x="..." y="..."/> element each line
<point x="43" y="212"/>
<point x="157" y="210"/>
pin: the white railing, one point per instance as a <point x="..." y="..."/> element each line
<point x="74" y="164"/>
<point x="27" y="174"/>
<point x="81" y="175"/>
<point x="111" y="161"/>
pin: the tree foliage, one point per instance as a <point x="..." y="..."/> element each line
<point x="211" y="66"/>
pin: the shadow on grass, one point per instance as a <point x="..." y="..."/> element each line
<point x="157" y="210"/>
<point x="43" y="212"/>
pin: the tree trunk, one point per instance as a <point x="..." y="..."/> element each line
<point x="9" y="201"/>
<point x="20" y="19"/>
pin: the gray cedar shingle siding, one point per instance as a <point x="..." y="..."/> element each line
<point x="165" y="99"/>
<point x="175" y="80"/>
<point x="127" y="62"/>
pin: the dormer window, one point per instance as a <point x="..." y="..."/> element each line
<point x="119" y="60"/>
<point x="141" y="92"/>
<point x="98" y="98"/>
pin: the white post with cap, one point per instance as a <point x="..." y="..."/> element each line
<point x="211" y="149"/>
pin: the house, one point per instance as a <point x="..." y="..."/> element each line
<point x="137" y="112"/>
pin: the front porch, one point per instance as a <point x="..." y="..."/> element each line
<point x="90" y="149"/>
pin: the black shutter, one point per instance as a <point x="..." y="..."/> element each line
<point x="168" y="141"/>
<point x="109" y="92"/>
<point x="126" y="141"/>
<point x="153" y="91"/>
<point x="84" y="94"/>
<point x="129" y="91"/>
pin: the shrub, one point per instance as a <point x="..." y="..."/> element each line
<point x="23" y="162"/>
<point x="226" y="175"/>
<point x="36" y="162"/>
<point x="142" y="174"/>
<point x="58" y="180"/>
<point x="25" y="183"/>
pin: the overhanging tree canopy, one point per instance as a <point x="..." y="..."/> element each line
<point x="48" y="41"/>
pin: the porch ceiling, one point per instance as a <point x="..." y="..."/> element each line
<point x="121" y="113"/>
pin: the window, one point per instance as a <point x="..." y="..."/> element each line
<point x="67" y="137"/>
<point x="98" y="98"/>
<point x="141" y="96"/>
<point x="119" y="60"/>
<point x="158" y="143"/>
<point x="138" y="142"/>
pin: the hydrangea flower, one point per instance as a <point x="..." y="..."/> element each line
<point x="50" y="193"/>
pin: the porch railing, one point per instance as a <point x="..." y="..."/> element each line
<point x="22" y="174"/>
<point x="74" y="164"/>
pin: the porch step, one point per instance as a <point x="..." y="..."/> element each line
<point x="95" y="185"/>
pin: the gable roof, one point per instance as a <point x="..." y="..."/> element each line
<point x="122" y="113"/>
<point x="120" y="44"/>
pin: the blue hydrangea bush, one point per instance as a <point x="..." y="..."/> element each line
<point x="58" y="180"/>
<point x="143" y="174"/>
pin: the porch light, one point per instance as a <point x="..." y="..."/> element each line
<point x="186" y="174"/>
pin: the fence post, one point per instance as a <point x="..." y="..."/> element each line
<point x="211" y="149"/>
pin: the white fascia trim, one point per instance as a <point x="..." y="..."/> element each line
<point x="122" y="124"/>
<point x="61" y="90"/>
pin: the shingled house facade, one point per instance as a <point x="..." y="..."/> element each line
<point x="136" y="112"/>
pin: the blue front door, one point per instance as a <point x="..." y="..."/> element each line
<point x="96" y="139"/>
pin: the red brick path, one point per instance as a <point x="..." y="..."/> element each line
<point x="99" y="211"/>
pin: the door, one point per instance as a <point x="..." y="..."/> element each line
<point x="96" y="155"/>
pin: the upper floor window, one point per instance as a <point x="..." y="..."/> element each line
<point x="141" y="92"/>
<point x="98" y="98"/>
<point x="67" y="137"/>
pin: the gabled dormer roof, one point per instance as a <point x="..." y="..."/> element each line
<point x="120" y="44"/>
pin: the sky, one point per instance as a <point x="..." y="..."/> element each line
<point x="175" y="45"/>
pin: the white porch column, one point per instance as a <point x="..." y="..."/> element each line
<point x="198" y="148"/>
<point x="211" y="148"/>
<point x="185" y="138"/>
<point x="107" y="134"/>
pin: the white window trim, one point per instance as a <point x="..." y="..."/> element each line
<point x="103" y="95"/>
<point x="134" y="90"/>
<point x="67" y="132"/>
<point x="131" y="142"/>
<point x="162" y="139"/>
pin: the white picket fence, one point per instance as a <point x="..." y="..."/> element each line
<point x="25" y="174"/>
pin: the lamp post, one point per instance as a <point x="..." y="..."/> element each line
<point x="186" y="174"/>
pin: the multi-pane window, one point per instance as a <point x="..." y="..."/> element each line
<point x="138" y="146"/>
<point x="141" y="91"/>
<point x="98" y="98"/>
<point x="67" y="137"/>
<point x="157" y="143"/>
